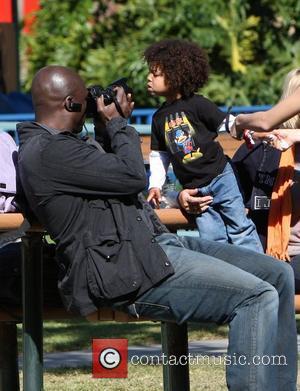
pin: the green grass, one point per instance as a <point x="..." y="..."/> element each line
<point x="77" y="334"/>
<point x="140" y="378"/>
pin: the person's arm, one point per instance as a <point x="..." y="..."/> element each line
<point x="77" y="167"/>
<point x="270" y="119"/>
<point x="159" y="163"/>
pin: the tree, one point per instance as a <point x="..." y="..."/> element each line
<point x="251" y="43"/>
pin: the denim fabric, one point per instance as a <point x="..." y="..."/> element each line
<point x="221" y="283"/>
<point x="225" y="220"/>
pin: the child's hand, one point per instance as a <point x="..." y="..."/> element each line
<point x="192" y="202"/>
<point x="154" y="197"/>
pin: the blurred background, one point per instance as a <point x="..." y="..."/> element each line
<point x="251" y="44"/>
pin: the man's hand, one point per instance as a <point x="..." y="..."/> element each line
<point x="109" y="112"/>
<point x="154" y="197"/>
<point x="192" y="203"/>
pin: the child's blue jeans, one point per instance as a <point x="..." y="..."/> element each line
<point x="225" y="220"/>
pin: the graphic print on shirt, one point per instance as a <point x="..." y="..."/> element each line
<point x="179" y="137"/>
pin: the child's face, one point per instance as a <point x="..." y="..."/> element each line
<point x="156" y="84"/>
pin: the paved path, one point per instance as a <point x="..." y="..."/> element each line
<point x="84" y="358"/>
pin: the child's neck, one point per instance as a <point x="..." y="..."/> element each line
<point x="172" y="96"/>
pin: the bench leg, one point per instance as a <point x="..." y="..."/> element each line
<point x="32" y="312"/>
<point x="9" y="371"/>
<point x="175" y="344"/>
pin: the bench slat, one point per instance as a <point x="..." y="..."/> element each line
<point x="172" y="218"/>
<point x="10" y="221"/>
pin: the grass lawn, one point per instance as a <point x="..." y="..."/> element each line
<point x="140" y="378"/>
<point x="77" y="334"/>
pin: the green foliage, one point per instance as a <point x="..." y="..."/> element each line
<point x="251" y="44"/>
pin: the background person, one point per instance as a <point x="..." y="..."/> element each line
<point x="265" y="121"/>
<point x="270" y="182"/>
<point x="113" y="250"/>
<point x="183" y="132"/>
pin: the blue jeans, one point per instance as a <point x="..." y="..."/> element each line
<point x="225" y="220"/>
<point x="221" y="283"/>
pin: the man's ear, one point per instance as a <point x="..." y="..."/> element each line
<point x="72" y="106"/>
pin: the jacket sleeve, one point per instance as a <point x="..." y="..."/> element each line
<point x="76" y="167"/>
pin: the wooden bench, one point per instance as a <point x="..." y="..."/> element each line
<point x="174" y="337"/>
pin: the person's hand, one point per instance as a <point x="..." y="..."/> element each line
<point x="192" y="203"/>
<point x="281" y="139"/>
<point x="154" y="197"/>
<point x="284" y="138"/>
<point x="110" y="111"/>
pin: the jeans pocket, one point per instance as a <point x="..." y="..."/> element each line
<point x="150" y="310"/>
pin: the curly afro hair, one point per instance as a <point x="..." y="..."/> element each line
<point x="183" y="63"/>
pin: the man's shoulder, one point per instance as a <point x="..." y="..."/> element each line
<point x="47" y="148"/>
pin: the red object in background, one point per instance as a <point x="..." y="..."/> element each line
<point x="6" y="12"/>
<point x="29" y="7"/>
<point x="110" y="358"/>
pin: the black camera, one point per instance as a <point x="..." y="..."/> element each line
<point x="108" y="93"/>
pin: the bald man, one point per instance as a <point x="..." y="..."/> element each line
<point x="113" y="250"/>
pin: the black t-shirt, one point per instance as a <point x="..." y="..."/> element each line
<point x="187" y="129"/>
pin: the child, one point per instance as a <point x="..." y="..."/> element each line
<point x="184" y="129"/>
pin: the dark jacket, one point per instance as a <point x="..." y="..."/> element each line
<point x="87" y="200"/>
<point x="256" y="173"/>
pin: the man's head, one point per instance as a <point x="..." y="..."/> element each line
<point x="59" y="98"/>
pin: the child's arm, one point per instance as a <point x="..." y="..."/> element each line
<point x="159" y="164"/>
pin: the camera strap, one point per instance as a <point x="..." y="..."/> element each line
<point x="118" y="106"/>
